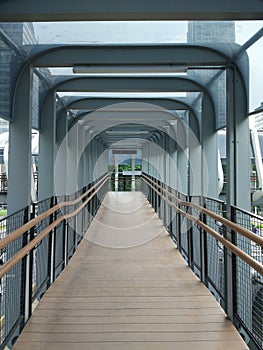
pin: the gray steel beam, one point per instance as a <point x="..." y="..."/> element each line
<point x="93" y="104"/>
<point x="101" y="102"/>
<point x="178" y="54"/>
<point x="120" y="10"/>
<point x="126" y="84"/>
<point x="115" y="83"/>
<point x="181" y="54"/>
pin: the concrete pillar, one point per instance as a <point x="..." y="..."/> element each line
<point x="238" y="185"/>
<point x="237" y="144"/>
<point x="195" y="159"/>
<point x="60" y="156"/>
<point x="20" y="159"/>
<point x="210" y="150"/>
<point x="72" y="160"/>
<point x="47" y="139"/>
<point x="86" y="155"/>
<point x="182" y="158"/>
<point x="81" y="147"/>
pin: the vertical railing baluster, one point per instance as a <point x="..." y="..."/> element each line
<point x="178" y="227"/>
<point x="203" y="244"/>
<point x="26" y="276"/>
<point x="190" y="237"/>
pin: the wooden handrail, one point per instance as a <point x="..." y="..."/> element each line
<point x="233" y="248"/>
<point x="231" y="225"/>
<point x="27" y="226"/>
<point x="31" y="245"/>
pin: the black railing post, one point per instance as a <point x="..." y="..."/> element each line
<point x="26" y="274"/>
<point x="190" y="237"/>
<point x="78" y="224"/>
<point x="153" y="198"/>
<point x="65" y="235"/>
<point x="170" y="215"/>
<point x="159" y="209"/>
<point x="203" y="245"/>
<point x="230" y="273"/>
<point x="178" y="228"/>
<point x="172" y="219"/>
<point x="164" y="205"/>
<point x="52" y="244"/>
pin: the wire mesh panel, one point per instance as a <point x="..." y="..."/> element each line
<point x="79" y="221"/>
<point x="138" y="183"/>
<point x="12" y="287"/>
<point x="249" y="283"/>
<point x="70" y="225"/>
<point x="41" y="264"/>
<point x="184" y="228"/>
<point x="60" y="238"/>
<point x="216" y="266"/>
<point x="196" y="234"/>
<point x="173" y="220"/>
<point x="41" y="254"/>
<point x="215" y="251"/>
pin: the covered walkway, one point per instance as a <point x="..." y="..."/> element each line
<point x="127" y="287"/>
<point x="102" y="96"/>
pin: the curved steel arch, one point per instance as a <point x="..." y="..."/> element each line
<point x="96" y="103"/>
<point x="22" y="107"/>
<point x="114" y="84"/>
<point x="92" y="103"/>
<point x="208" y="54"/>
<point x="185" y="54"/>
<point x="182" y="54"/>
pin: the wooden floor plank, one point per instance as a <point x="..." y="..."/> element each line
<point x="132" y="292"/>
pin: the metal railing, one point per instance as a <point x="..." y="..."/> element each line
<point x="37" y="243"/>
<point x="226" y="255"/>
<point x="124" y="182"/>
<point x="3" y="182"/>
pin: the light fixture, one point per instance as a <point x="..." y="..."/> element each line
<point x="128" y="68"/>
<point x="126" y="132"/>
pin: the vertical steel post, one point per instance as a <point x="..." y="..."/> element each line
<point x="203" y="245"/>
<point x="27" y="269"/>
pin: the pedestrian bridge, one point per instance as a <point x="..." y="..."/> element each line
<point x="171" y="86"/>
<point x="115" y="270"/>
<point x="127" y="287"/>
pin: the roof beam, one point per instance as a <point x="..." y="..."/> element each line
<point x="121" y="10"/>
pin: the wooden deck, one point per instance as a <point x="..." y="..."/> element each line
<point x="142" y="296"/>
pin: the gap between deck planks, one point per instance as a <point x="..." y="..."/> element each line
<point x="128" y="288"/>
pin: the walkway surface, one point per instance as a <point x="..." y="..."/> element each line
<point x="133" y="291"/>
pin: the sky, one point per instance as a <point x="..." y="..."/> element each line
<point x="151" y="32"/>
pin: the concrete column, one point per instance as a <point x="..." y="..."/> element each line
<point x="238" y="184"/>
<point x="182" y="158"/>
<point x="86" y="155"/>
<point x="81" y="146"/>
<point x="210" y="150"/>
<point x="167" y="159"/>
<point x="47" y="139"/>
<point x="60" y="156"/>
<point x="237" y="140"/>
<point x="173" y="171"/>
<point x="195" y="159"/>
<point x="20" y="159"/>
<point x="72" y="160"/>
